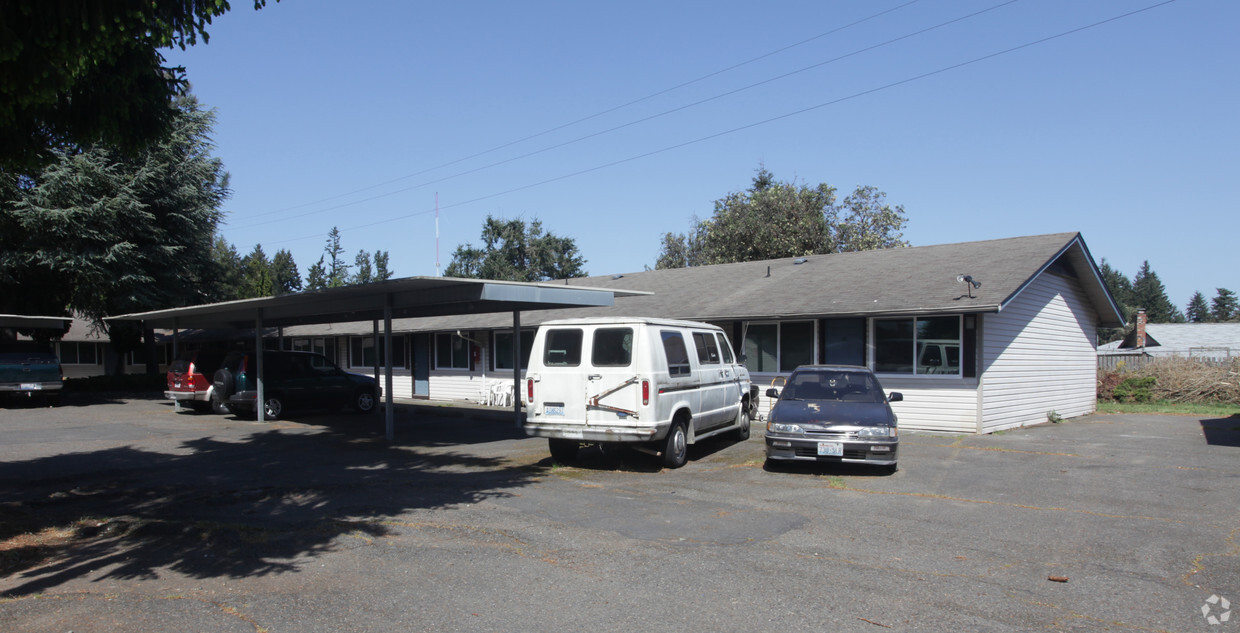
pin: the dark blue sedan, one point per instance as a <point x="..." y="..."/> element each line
<point x="833" y="413"/>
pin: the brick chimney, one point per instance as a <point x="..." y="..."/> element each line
<point x="1141" y="319"/>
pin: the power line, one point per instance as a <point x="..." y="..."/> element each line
<point x="644" y="119"/>
<point x="781" y="117"/>
<point x="585" y="118"/>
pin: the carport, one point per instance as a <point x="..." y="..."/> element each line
<point x="393" y="299"/>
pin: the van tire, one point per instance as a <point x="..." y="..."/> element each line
<point x="563" y="451"/>
<point x="676" y="445"/>
<point x="742" y="418"/>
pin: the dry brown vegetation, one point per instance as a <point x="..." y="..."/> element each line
<point x="1181" y="380"/>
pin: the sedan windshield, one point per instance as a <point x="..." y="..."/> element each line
<point x="834" y="386"/>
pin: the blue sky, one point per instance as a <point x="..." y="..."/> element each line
<point x="616" y="122"/>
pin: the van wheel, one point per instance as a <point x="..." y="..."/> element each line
<point x="742" y="418"/>
<point x="676" y="446"/>
<point x="563" y="451"/>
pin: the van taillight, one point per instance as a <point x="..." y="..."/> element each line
<point x="529" y="389"/>
<point x="645" y="392"/>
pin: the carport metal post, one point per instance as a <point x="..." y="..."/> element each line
<point x="176" y="353"/>
<point x="389" y="424"/>
<point x="516" y="368"/>
<point x="375" y="365"/>
<point x="258" y="365"/>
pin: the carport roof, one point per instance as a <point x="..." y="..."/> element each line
<point x="407" y="297"/>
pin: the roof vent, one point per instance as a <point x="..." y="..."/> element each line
<point x="617" y="276"/>
<point x="800" y="260"/>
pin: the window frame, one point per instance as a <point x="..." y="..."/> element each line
<point x="779" y="359"/>
<point x="527" y="348"/>
<point x="439" y="365"/>
<point x="959" y="344"/>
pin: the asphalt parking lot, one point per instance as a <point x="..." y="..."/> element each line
<point x="125" y="516"/>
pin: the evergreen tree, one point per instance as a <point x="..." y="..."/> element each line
<point x="1148" y="293"/>
<point x="1223" y="307"/>
<point x="381" y="266"/>
<point x="364" y="272"/>
<point x="316" y="276"/>
<point x="285" y="279"/>
<point x="1197" y="310"/>
<point x="256" y="274"/>
<point x="337" y="270"/>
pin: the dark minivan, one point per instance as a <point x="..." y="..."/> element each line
<point x="292" y="380"/>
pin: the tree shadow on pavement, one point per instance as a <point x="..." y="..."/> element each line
<point x="229" y="508"/>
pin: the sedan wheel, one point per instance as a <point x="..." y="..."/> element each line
<point x="364" y="402"/>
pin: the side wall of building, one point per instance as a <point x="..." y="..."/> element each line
<point x="1039" y="356"/>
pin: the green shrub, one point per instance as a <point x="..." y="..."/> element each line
<point x="1135" y="389"/>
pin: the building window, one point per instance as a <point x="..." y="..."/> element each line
<point x="843" y="341"/>
<point x="451" y="352"/>
<point x="503" y="349"/>
<point x="779" y="347"/>
<point x="72" y="353"/>
<point x="362" y="351"/>
<point x="919" y="346"/>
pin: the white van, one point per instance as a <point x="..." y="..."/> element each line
<point x="658" y="383"/>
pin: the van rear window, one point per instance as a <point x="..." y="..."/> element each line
<point x="613" y="347"/>
<point x="563" y="348"/>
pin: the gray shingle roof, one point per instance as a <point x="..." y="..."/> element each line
<point x="912" y="280"/>
<point x="1179" y="338"/>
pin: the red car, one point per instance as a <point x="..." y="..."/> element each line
<point x="189" y="381"/>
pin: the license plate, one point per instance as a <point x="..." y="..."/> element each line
<point x="176" y="385"/>
<point x="830" y="449"/>
<point x="30" y="386"/>
<point x="554" y="411"/>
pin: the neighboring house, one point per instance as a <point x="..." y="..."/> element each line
<point x="1208" y="341"/>
<point x="969" y="359"/>
<point x="85" y="351"/>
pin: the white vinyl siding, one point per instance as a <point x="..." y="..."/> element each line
<point x="944" y="406"/>
<point x="1039" y="356"/>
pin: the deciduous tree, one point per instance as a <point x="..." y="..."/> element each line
<point x="76" y="74"/>
<point x="775" y="219"/>
<point x="513" y="251"/>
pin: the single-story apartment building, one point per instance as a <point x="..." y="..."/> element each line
<point x="979" y="336"/>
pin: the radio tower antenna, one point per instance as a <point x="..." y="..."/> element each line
<point x="437" y="273"/>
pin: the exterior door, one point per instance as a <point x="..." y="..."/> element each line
<point x="421" y="365"/>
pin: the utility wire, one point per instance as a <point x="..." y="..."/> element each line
<point x="586" y="118"/>
<point x="762" y="122"/>
<point x="643" y="119"/>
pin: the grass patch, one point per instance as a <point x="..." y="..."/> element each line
<point x="1171" y="408"/>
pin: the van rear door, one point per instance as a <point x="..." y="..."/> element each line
<point x="561" y="390"/>
<point x="613" y="385"/>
